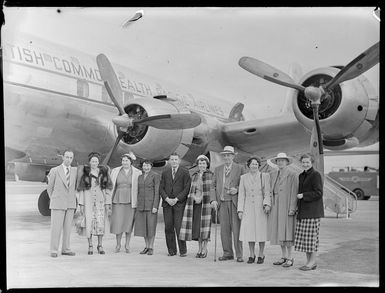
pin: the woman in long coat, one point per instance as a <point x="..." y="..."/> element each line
<point x="147" y="207"/>
<point x="94" y="195"/>
<point x="281" y="222"/>
<point x="124" y="199"/>
<point x="254" y="204"/>
<point x="310" y="212"/>
<point x="196" y="221"/>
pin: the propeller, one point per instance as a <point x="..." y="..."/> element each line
<point x="357" y="66"/>
<point x="124" y="121"/>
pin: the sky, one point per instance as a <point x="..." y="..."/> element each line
<point x="199" y="48"/>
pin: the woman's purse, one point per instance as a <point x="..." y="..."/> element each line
<point x="80" y="223"/>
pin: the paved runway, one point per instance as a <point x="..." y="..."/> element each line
<point x="348" y="255"/>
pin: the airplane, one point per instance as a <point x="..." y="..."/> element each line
<point x="57" y="97"/>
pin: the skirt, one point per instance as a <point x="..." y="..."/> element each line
<point x="122" y="218"/>
<point x="145" y="223"/>
<point x="306" y="235"/>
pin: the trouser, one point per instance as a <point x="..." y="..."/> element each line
<point x="230" y="226"/>
<point x="172" y="223"/>
<point x="61" y="221"/>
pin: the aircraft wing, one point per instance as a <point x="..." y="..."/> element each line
<point x="268" y="136"/>
<point x="350" y="153"/>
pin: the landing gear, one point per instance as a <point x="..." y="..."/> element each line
<point x="360" y="193"/>
<point x="43" y="204"/>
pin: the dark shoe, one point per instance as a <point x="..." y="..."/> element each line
<point x="100" y="249"/>
<point x="144" y="251"/>
<point x="203" y="255"/>
<point x="289" y="263"/>
<point x="183" y="254"/>
<point x="251" y="259"/>
<point x="230" y="257"/>
<point x="260" y="259"/>
<point x="150" y="251"/>
<point x="53" y="254"/>
<point x="171" y="253"/>
<point x="71" y="253"/>
<point x="239" y="259"/>
<point x="306" y="268"/>
<point x="280" y="261"/>
<point x="198" y="255"/>
<point x="90" y="250"/>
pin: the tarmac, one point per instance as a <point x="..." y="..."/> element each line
<point x="348" y="255"/>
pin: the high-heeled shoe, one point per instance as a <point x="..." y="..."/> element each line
<point x="203" y="255"/>
<point x="251" y="259"/>
<point x="100" y="249"/>
<point x="260" y="259"/>
<point x="117" y="248"/>
<point x="127" y="249"/>
<point x="90" y="250"/>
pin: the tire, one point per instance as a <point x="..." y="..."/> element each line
<point x="43" y="204"/>
<point x="360" y="193"/>
<point x="366" y="197"/>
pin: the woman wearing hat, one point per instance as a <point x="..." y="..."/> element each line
<point x="124" y="199"/>
<point x="94" y="191"/>
<point x="310" y="212"/>
<point x="254" y="204"/>
<point x="281" y="222"/>
<point x="197" y="214"/>
<point x="147" y="208"/>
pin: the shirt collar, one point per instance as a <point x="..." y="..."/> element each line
<point x="65" y="167"/>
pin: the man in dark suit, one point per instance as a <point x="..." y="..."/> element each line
<point x="174" y="188"/>
<point x="224" y="198"/>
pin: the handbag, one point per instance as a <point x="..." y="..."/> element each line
<point x="80" y="223"/>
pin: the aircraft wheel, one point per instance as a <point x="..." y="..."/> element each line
<point x="43" y="204"/>
<point x="360" y="193"/>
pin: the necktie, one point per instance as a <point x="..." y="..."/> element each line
<point x="68" y="176"/>
<point x="227" y="171"/>
<point x="173" y="173"/>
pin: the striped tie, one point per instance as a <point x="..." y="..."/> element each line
<point x="173" y="173"/>
<point x="68" y="176"/>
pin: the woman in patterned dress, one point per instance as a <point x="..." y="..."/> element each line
<point x="196" y="222"/>
<point x="94" y="195"/>
<point x="310" y="212"/>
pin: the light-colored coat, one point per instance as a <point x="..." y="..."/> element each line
<point x="251" y="199"/>
<point x="62" y="196"/>
<point x="134" y="184"/>
<point x="281" y="226"/>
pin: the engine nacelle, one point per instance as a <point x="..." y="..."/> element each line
<point x="152" y="143"/>
<point x="347" y="116"/>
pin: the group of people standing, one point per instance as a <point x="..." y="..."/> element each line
<point x="253" y="206"/>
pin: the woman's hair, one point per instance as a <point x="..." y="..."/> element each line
<point x="94" y="155"/>
<point x="127" y="156"/>
<point x="307" y="155"/>
<point x="205" y="160"/>
<point x="253" y="158"/>
<point x="147" y="162"/>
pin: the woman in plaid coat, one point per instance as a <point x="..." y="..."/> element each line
<point x="310" y="212"/>
<point x="197" y="214"/>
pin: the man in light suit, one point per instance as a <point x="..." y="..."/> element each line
<point x="174" y="188"/>
<point x="224" y="198"/>
<point x="62" y="194"/>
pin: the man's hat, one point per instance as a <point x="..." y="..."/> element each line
<point x="281" y="156"/>
<point x="228" y="150"/>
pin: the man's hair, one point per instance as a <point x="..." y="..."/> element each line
<point x="68" y="150"/>
<point x="174" y="154"/>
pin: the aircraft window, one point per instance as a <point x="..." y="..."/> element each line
<point x="83" y="88"/>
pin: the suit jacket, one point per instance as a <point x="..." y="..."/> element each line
<point x="148" y="192"/>
<point x="134" y="185"/>
<point x="311" y="205"/>
<point x="61" y="195"/>
<point x="179" y="187"/>
<point x="217" y="187"/>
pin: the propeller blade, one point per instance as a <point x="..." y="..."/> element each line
<point x="108" y="157"/>
<point x="357" y="66"/>
<point x="316" y="144"/>
<point x="111" y="81"/>
<point x="171" y="121"/>
<point x="268" y="72"/>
